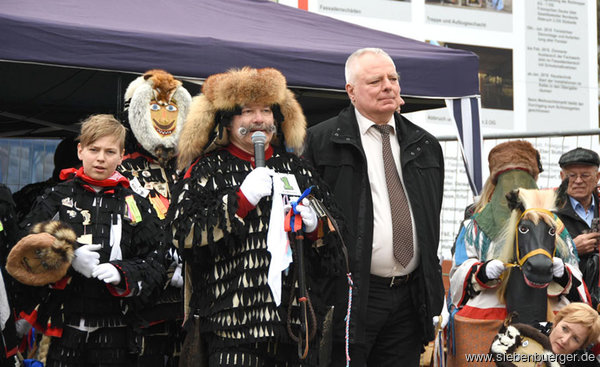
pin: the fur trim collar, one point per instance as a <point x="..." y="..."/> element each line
<point x="228" y="91"/>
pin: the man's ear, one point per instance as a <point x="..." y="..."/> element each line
<point x="79" y="150"/>
<point x="350" y="91"/>
<point x="563" y="175"/>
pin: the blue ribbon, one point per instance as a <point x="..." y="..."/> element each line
<point x="295" y="203"/>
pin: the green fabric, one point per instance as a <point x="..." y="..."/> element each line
<point x="494" y="215"/>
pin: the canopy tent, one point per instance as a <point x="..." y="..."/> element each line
<point x="79" y="55"/>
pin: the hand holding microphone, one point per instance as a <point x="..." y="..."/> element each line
<point x="257" y="184"/>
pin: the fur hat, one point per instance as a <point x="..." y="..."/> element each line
<point x="224" y="93"/>
<point x="44" y="256"/>
<point x="160" y="86"/>
<point x="516" y="154"/>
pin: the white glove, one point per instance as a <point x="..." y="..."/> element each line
<point x="108" y="273"/>
<point x="558" y="267"/>
<point x="177" y="279"/>
<point x="494" y="269"/>
<point x="309" y="216"/>
<point x="257" y="184"/>
<point x="86" y="258"/>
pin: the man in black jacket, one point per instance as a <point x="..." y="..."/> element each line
<point x="580" y="167"/>
<point x="394" y="299"/>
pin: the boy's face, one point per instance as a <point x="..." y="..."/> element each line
<point x="100" y="158"/>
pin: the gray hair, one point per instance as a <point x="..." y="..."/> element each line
<point x="349" y="72"/>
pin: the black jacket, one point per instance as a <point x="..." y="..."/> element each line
<point x="588" y="263"/>
<point x="335" y="149"/>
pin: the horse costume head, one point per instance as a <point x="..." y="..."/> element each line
<point x="529" y="243"/>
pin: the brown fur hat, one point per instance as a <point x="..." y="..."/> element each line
<point x="44" y="256"/>
<point x="233" y="89"/>
<point x="516" y="154"/>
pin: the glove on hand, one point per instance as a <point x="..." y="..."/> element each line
<point x="86" y="259"/>
<point x="108" y="273"/>
<point x="558" y="267"/>
<point x="177" y="279"/>
<point x="309" y="216"/>
<point x="257" y="184"/>
<point x="493" y="269"/>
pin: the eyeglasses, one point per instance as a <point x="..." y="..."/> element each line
<point x="586" y="176"/>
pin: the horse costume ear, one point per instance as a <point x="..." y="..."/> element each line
<point x="561" y="193"/>
<point x="510" y="317"/>
<point x="513" y="201"/>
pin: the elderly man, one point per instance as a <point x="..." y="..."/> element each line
<point x="392" y="206"/>
<point x="580" y="167"/>
<point x="228" y="221"/>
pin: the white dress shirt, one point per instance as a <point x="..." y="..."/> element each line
<point x="383" y="262"/>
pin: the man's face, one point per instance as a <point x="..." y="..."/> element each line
<point x="375" y="90"/>
<point x="582" y="181"/>
<point x="253" y="118"/>
<point x="100" y="158"/>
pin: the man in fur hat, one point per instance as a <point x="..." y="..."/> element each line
<point x="157" y="105"/>
<point x="228" y="219"/>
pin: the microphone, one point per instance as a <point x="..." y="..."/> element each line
<point x="259" y="138"/>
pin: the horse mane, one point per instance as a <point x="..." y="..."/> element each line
<point x="504" y="250"/>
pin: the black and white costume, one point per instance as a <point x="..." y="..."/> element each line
<point x="86" y="318"/>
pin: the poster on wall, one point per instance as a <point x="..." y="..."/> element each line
<point x="558" y="82"/>
<point x="389" y="9"/>
<point x="493" y="15"/>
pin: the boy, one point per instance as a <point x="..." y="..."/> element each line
<point x="119" y="247"/>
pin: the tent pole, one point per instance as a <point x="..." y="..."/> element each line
<point x="119" y="94"/>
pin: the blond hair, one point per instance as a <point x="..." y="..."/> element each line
<point x="98" y="126"/>
<point x="581" y="313"/>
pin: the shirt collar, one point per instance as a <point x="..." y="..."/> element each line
<point x="364" y="123"/>
<point x="577" y="205"/>
<point x="236" y="151"/>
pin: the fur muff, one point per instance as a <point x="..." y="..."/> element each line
<point x="44" y="256"/>
<point x="163" y="87"/>
<point x="517" y="154"/>
<point x="233" y="89"/>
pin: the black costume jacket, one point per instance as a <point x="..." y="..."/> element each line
<point x="227" y="255"/>
<point x="158" y="181"/>
<point x="76" y="297"/>
<point x="334" y="147"/>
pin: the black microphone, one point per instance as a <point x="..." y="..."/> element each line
<point x="259" y="138"/>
